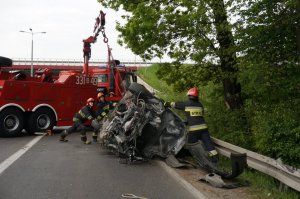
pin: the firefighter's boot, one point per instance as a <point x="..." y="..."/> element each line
<point x="63" y="136"/>
<point x="84" y="140"/>
<point x="201" y="156"/>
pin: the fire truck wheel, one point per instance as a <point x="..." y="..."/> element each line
<point x="5" y="61"/>
<point x="40" y="121"/>
<point x="11" y="122"/>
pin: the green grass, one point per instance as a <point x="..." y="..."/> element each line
<point x="262" y="186"/>
<point x="165" y="91"/>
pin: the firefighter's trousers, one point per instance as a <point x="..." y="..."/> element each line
<point x="76" y="127"/>
<point x="96" y="124"/>
<point x="203" y="135"/>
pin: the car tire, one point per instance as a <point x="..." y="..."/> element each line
<point x="4" y="61"/>
<point x="41" y="120"/>
<point x="140" y="90"/>
<point x="11" y="122"/>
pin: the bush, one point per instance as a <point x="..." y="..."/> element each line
<point x="276" y="130"/>
<point x="228" y="125"/>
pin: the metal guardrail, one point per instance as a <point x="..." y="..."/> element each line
<point x="285" y="174"/>
<point x="146" y="85"/>
<point x="74" y="62"/>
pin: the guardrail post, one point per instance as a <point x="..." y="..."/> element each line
<point x="283" y="187"/>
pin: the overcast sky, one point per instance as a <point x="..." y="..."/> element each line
<point x="66" y="23"/>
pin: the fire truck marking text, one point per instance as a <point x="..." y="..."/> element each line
<point x="83" y="80"/>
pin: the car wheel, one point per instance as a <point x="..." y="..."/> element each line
<point x="140" y="90"/>
<point x="5" y="61"/>
<point x="11" y="122"/>
<point x="41" y="120"/>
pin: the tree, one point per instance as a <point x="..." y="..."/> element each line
<point x="297" y="2"/>
<point x="268" y="35"/>
<point x="185" y="30"/>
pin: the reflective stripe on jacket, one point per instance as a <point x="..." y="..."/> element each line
<point x="102" y="109"/>
<point x="194" y="112"/>
<point x="85" y="113"/>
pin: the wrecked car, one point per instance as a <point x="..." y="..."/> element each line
<point x="140" y="127"/>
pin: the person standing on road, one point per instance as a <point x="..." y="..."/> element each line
<point x="84" y="114"/>
<point x="198" y="129"/>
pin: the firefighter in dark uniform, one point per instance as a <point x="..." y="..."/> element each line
<point x="197" y="128"/>
<point x="102" y="110"/>
<point x="84" y="114"/>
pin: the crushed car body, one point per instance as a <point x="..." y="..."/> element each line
<point x="140" y="127"/>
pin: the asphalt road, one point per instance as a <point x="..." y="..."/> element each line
<point x="54" y="170"/>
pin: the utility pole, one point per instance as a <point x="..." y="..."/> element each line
<point x="32" y="33"/>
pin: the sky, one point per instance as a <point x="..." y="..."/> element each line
<point x="66" y="23"/>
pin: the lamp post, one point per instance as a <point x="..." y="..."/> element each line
<point x="32" y="33"/>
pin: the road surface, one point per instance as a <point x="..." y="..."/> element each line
<point x="41" y="167"/>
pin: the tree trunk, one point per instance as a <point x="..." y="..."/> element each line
<point x="298" y="30"/>
<point x="232" y="94"/>
<point x="227" y="55"/>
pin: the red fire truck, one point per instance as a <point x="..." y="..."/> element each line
<point x="43" y="101"/>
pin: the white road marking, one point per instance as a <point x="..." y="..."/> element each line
<point x="9" y="161"/>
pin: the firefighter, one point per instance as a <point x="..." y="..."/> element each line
<point x="197" y="128"/>
<point x="84" y="114"/>
<point x="102" y="110"/>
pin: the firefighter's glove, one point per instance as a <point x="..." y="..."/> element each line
<point x="167" y="104"/>
<point x="114" y="104"/>
<point x="106" y="107"/>
<point x="104" y="114"/>
<point x="99" y="118"/>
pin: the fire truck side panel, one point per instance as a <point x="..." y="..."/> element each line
<point x="15" y="91"/>
<point x="46" y="93"/>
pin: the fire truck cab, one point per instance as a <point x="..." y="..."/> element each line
<point x="113" y="82"/>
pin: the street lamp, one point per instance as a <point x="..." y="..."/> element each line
<point x="32" y="33"/>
